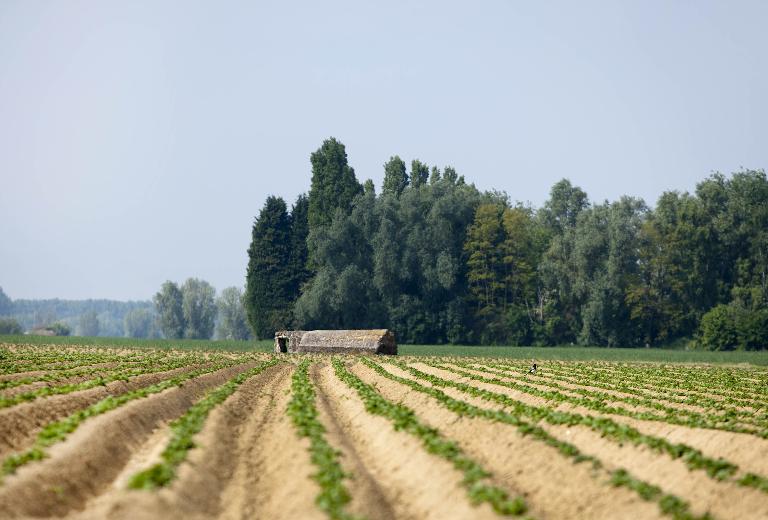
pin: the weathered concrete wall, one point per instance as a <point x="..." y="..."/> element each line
<point x="288" y="340"/>
<point x="376" y="341"/>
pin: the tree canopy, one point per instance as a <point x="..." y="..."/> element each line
<point x="439" y="261"/>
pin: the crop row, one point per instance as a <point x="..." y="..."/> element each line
<point x="724" y="382"/>
<point x="728" y="415"/>
<point x="637" y="385"/>
<point x="330" y="476"/>
<point x="61" y="375"/>
<point x="692" y="420"/>
<point x="57" y="431"/>
<point x="404" y="419"/>
<point x="718" y="469"/>
<point x="185" y="427"/>
<point x="668" y="504"/>
<point x="101" y="380"/>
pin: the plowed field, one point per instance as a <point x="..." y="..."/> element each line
<point x="88" y="432"/>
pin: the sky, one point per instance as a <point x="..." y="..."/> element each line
<point x="138" y="140"/>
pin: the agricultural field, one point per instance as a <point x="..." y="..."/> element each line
<point x="89" y="431"/>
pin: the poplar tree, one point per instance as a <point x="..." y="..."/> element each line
<point x="334" y="185"/>
<point x="168" y="303"/>
<point x="395" y="176"/>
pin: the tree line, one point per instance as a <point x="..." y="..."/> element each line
<point x="190" y="310"/>
<point x="439" y="261"/>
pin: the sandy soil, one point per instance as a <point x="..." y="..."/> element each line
<point x="248" y="461"/>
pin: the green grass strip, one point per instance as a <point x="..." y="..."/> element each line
<point x="680" y="511"/>
<point x="404" y="419"/>
<point x="59" y="430"/>
<point x="184" y="429"/>
<point x="333" y="496"/>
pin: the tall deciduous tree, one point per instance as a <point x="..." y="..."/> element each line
<point x="334" y="185"/>
<point x="270" y="279"/>
<point x="562" y="208"/>
<point x="168" y="303"/>
<point x="89" y="324"/>
<point x="233" y="323"/>
<point x="6" y="305"/>
<point x="139" y="323"/>
<point x="199" y="306"/>
<point x="395" y="176"/>
<point x="419" y="173"/>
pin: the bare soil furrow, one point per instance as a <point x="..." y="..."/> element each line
<point x="87" y="463"/>
<point x="368" y="499"/>
<point x="532" y="468"/>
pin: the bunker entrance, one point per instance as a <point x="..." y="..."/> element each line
<point x="283" y="344"/>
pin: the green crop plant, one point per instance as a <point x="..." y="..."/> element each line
<point x="330" y="476"/>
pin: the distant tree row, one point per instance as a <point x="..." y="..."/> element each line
<point x="191" y="311"/>
<point x="439" y="261"/>
<point x="78" y="317"/>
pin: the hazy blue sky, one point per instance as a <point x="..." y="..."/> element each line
<point x="139" y="139"/>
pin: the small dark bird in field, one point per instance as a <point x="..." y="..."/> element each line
<point x="533" y="369"/>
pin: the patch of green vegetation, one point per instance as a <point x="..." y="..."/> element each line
<point x="404" y="419"/>
<point x="669" y="504"/>
<point x="333" y="496"/>
<point x="185" y="427"/>
<point x="166" y="344"/>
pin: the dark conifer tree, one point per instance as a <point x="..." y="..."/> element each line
<point x="269" y="280"/>
<point x="300" y="271"/>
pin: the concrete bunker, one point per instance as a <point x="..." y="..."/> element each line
<point x="370" y="341"/>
